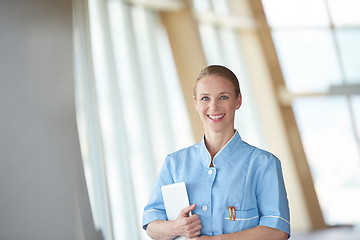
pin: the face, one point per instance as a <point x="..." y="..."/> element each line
<point x="216" y="103"/>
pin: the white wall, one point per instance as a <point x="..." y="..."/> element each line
<point x="42" y="187"/>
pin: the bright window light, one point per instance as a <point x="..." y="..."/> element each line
<point x="315" y="56"/>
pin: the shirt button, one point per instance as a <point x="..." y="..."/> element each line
<point x="210" y="172"/>
<point x="204" y="208"/>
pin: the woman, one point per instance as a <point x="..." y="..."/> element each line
<point x="236" y="190"/>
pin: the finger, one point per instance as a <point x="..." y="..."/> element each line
<point x="195" y="235"/>
<point x="196" y="225"/>
<point x="191" y="221"/>
<point x="192" y="229"/>
<point x="185" y="212"/>
<point x="195" y="230"/>
<point x="193" y="218"/>
<point x="192" y="238"/>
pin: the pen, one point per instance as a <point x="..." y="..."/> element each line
<point x="232" y="213"/>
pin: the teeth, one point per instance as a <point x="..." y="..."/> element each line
<point x="216" y="117"/>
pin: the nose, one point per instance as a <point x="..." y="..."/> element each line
<point x="213" y="104"/>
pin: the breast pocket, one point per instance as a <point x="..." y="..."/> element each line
<point x="243" y="220"/>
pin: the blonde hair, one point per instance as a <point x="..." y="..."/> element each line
<point x="220" y="71"/>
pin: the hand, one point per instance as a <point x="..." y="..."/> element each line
<point x="187" y="226"/>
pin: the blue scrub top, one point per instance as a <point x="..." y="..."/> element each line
<point x="243" y="176"/>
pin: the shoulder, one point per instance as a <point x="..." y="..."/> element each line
<point x="178" y="162"/>
<point x="184" y="151"/>
<point x="181" y="154"/>
<point x="260" y="157"/>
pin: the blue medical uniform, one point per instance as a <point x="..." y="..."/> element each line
<point x="243" y="176"/>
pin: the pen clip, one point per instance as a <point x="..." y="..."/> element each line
<point x="230" y="213"/>
<point x="233" y="213"/>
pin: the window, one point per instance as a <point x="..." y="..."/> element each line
<point x="221" y="34"/>
<point x="128" y="110"/>
<point x="317" y="46"/>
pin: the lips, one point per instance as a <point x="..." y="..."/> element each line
<point x="216" y="117"/>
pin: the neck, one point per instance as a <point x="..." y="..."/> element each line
<point x="214" y="142"/>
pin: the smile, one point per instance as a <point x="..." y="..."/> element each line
<point x="216" y="117"/>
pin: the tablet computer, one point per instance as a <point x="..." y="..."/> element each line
<point x="175" y="199"/>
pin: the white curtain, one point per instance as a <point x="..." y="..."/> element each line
<point x="130" y="109"/>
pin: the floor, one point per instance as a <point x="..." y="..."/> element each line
<point x="329" y="234"/>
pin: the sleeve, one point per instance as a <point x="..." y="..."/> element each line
<point x="155" y="209"/>
<point x="272" y="198"/>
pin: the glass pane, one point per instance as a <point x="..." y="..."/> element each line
<point x="202" y="5"/>
<point x="333" y="156"/>
<point x="349" y="47"/>
<point x="295" y="13"/>
<point x="211" y="44"/>
<point x="308" y="59"/>
<point x="345" y="12"/>
<point x="356" y="111"/>
<point x="181" y="126"/>
<point x="150" y="79"/>
<point x="220" y="7"/>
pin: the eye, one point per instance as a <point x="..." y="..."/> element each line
<point x="204" y="98"/>
<point x="224" y="97"/>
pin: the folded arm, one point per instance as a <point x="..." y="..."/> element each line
<point x="184" y="225"/>
<point x="257" y="233"/>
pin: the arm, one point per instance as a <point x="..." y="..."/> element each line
<point x="184" y="225"/>
<point x="256" y="233"/>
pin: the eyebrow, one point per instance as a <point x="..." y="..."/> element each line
<point x="203" y="94"/>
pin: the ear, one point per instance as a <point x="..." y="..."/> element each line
<point x="238" y="101"/>
<point x="195" y="103"/>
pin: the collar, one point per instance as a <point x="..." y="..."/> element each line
<point x="223" y="154"/>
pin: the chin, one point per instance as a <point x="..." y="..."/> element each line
<point x="216" y="129"/>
